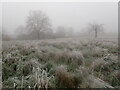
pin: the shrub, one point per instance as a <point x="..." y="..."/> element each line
<point x="65" y="78"/>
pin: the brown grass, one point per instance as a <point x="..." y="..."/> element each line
<point x="65" y="78"/>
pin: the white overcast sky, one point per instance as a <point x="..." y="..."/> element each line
<point x="69" y="14"/>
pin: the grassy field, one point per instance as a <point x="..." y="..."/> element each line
<point x="61" y="63"/>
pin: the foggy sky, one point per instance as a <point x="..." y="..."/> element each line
<point x="69" y="14"/>
<point x="0" y="16"/>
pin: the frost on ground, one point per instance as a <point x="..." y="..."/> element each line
<point x="61" y="63"/>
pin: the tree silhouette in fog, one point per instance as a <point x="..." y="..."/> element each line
<point x="37" y="23"/>
<point x="96" y="28"/>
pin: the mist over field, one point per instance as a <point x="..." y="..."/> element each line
<point x="59" y="45"/>
<point x="69" y="15"/>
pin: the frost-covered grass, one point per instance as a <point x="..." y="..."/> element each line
<point x="61" y="63"/>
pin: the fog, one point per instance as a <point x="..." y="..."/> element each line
<point x="69" y="14"/>
<point x="0" y="15"/>
<point x="59" y="45"/>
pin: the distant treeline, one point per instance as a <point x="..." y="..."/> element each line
<point x="38" y="26"/>
<point x="59" y="32"/>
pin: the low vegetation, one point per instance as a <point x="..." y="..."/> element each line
<point x="68" y="63"/>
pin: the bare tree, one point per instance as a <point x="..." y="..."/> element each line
<point x="96" y="28"/>
<point x="38" y="22"/>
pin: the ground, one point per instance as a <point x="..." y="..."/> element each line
<point x="61" y="63"/>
